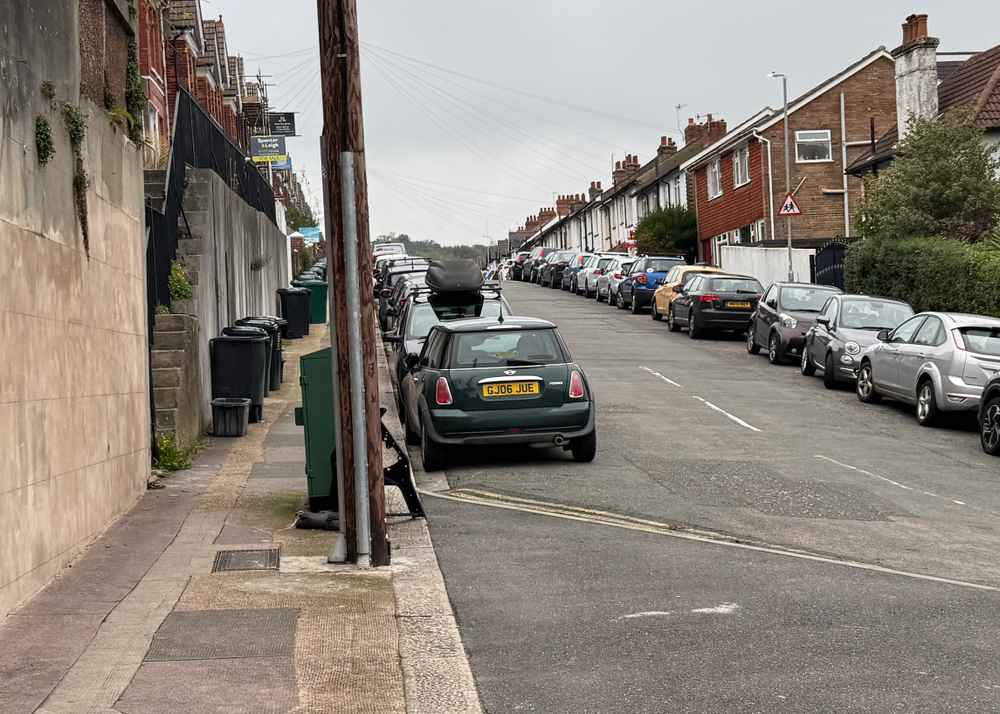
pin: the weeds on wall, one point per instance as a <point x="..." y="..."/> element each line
<point x="45" y="147"/>
<point x="135" y="93"/>
<point x="76" y="126"/>
<point x="178" y="282"/>
<point x="172" y="456"/>
<point x="48" y="90"/>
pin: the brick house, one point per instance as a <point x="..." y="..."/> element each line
<point x="739" y="180"/>
<point x="927" y="87"/>
<point x="153" y="68"/>
<point x="106" y="29"/>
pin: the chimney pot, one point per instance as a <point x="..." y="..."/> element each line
<point x="919" y="27"/>
<point x="690" y="121"/>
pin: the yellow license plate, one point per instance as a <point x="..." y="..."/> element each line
<point x="739" y="305"/>
<point x="511" y="389"/>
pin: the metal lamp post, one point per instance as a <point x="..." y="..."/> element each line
<point x="788" y="165"/>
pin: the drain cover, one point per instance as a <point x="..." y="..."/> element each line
<point x="246" y="560"/>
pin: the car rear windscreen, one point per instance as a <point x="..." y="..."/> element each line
<point x="735" y="285"/>
<point x="507" y="348"/>
<point x="804" y="299"/>
<point x="425" y="315"/>
<point x="873" y="314"/>
<point x="984" y="340"/>
<point x="662" y="265"/>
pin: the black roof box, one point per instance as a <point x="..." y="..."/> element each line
<point x="454" y="276"/>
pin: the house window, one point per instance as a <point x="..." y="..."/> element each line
<point x="714" y="179"/>
<point x="813" y="146"/>
<point x="741" y="166"/>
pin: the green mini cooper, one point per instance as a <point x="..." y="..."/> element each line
<point x="481" y="381"/>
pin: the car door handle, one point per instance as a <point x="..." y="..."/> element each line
<point x="921" y="355"/>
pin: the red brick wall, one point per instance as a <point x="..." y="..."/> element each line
<point x="869" y="93"/>
<point x="737" y="206"/>
<point x="180" y="70"/>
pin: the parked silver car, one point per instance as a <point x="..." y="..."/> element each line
<point x="586" y="279"/>
<point x="614" y="274"/>
<point x="938" y="361"/>
<point x="847" y="325"/>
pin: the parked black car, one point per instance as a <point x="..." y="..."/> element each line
<point x="423" y="309"/>
<point x="552" y="271"/>
<point x="396" y="265"/>
<point x="846" y="326"/>
<point x="784" y="316"/>
<point x="714" y="302"/>
<point x="394" y="303"/>
<point x="533" y="263"/>
<point x="517" y="268"/>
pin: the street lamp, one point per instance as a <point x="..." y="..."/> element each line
<point x="788" y="165"/>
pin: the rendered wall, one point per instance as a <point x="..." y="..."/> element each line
<point x="768" y="265"/>
<point x="74" y="392"/>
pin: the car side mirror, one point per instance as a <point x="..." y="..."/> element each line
<point x="883" y="336"/>
<point x="412" y="361"/>
<point x="392" y="339"/>
<point x="823" y="321"/>
<point x="679" y="289"/>
<point x="386" y="292"/>
<point x="657" y="283"/>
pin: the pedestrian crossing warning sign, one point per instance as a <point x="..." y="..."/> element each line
<point x="789" y="207"/>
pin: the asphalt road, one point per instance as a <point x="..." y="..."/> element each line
<point x="696" y="435"/>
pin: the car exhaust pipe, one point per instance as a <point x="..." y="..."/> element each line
<point x="559" y="441"/>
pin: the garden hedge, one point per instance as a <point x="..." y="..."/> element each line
<point x="929" y="273"/>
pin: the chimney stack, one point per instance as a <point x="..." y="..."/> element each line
<point x="916" y="74"/>
<point x="595" y="190"/>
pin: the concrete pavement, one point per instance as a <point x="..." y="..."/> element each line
<point x="150" y="619"/>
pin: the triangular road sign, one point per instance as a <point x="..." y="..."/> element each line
<point x="789" y="207"/>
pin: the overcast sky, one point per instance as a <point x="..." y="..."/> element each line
<point x="453" y="153"/>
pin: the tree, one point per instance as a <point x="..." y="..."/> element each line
<point x="943" y="183"/>
<point x="668" y="231"/>
<point x="432" y="250"/>
<point x="296" y="219"/>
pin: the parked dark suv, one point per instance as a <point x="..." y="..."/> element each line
<point x="784" y="316"/>
<point x="552" y="271"/>
<point x="714" y="302"/>
<point x="517" y="268"/>
<point x="531" y="265"/>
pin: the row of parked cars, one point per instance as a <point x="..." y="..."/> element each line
<point x="936" y="361"/>
<point x="466" y="371"/>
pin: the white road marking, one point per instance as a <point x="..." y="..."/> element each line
<point x="650" y="613"/>
<point x="660" y="376"/>
<point x="722" y="411"/>
<point x="866" y="473"/>
<point x="554" y="510"/>
<point x="725" y="608"/>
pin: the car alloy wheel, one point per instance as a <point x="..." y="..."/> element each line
<point x="752" y="347"/>
<point x="619" y="300"/>
<point x="989" y="431"/>
<point x="672" y="320"/>
<point x="865" y="387"/>
<point x="806" y="366"/>
<point x="774" y="348"/>
<point x="635" y="305"/>
<point x="926" y="404"/>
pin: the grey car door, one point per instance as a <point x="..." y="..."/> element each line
<point x="823" y="334"/>
<point x="885" y="362"/>
<point x="928" y="344"/>
<point x="767" y="311"/>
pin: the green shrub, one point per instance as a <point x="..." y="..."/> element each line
<point x="929" y="273"/>
<point x="178" y="282"/>
<point x="44" y="144"/>
<point x="172" y="456"/>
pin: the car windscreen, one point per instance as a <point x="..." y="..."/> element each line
<point x="424" y="316"/>
<point x="873" y="314"/>
<point x="804" y="299"/>
<point x="662" y="265"/>
<point x="507" y="348"/>
<point x="983" y="340"/>
<point x="735" y="285"/>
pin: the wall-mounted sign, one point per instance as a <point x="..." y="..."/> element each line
<point x="268" y="149"/>
<point x="281" y="123"/>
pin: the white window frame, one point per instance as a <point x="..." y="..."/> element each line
<point x="715" y="166"/>
<point x="800" y="140"/>
<point x="741" y="166"/>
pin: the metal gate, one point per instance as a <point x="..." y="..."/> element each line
<point x="829" y="264"/>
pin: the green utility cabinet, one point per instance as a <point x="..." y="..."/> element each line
<point x="317" y="299"/>
<point x="316" y="415"/>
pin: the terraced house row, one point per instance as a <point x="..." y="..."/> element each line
<point x="733" y="176"/>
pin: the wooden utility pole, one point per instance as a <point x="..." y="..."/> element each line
<point x="343" y="131"/>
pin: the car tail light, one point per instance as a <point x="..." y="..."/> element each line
<point x="956" y="336"/>
<point x="598" y="271"/>
<point x="442" y="393"/>
<point x="576" y="390"/>
<point x="708" y="298"/>
<point x="641" y="279"/>
<point x="617" y="276"/>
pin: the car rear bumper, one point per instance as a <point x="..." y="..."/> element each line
<point x="722" y="319"/>
<point x="642" y="296"/>
<point x="536" y="425"/>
